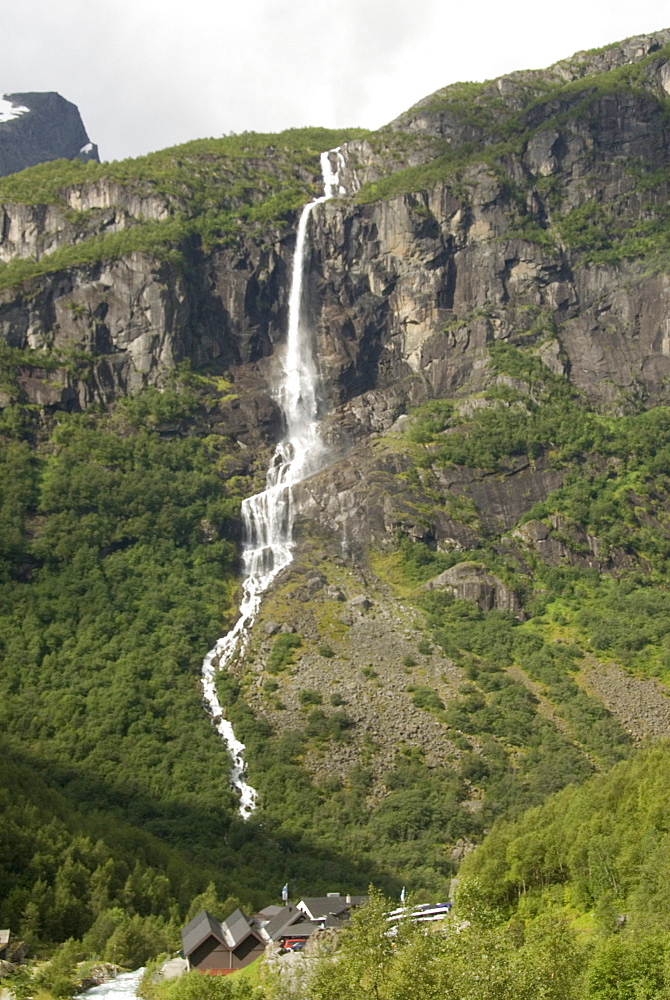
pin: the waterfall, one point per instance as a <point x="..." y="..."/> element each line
<point x="268" y="516"/>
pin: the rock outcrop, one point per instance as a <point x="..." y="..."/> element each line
<point x="468" y="581"/>
<point x="409" y="291"/>
<point x="138" y="317"/>
<point x="37" y="127"/>
<point x="34" y="231"/>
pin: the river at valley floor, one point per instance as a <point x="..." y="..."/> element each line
<point x="124" y="987"/>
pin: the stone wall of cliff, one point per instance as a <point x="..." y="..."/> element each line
<point x="409" y="285"/>
<point x="409" y="289"/>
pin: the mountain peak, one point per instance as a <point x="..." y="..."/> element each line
<point x="36" y="127"/>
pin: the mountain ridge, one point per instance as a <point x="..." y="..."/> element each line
<point x="477" y="572"/>
<point x="37" y="127"/>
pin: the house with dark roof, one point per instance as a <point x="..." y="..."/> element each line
<point x="288" y="926"/>
<point x="218" y="948"/>
<point x="267" y="913"/>
<point x="330" y="910"/>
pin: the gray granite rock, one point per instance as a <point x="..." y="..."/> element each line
<point x="46" y="127"/>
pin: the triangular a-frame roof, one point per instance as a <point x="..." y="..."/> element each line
<point x="236" y="928"/>
<point x="196" y="931"/>
<point x="287" y="917"/>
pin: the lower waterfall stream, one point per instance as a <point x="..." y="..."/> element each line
<point x="268" y="516"/>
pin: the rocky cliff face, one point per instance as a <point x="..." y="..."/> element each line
<point x="137" y="318"/>
<point x="34" y="231"/>
<point x="530" y="212"/>
<point x="409" y="289"/>
<point x="420" y="283"/>
<point x="36" y="128"/>
<point x="529" y="178"/>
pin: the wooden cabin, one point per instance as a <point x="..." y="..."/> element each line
<point x="218" y="948"/>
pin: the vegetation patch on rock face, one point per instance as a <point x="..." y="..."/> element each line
<point x="283" y="651"/>
<point x="212" y="190"/>
<point x="201" y="172"/>
<point x="426" y="697"/>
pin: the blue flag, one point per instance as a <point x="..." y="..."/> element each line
<point x="284" y="893"/>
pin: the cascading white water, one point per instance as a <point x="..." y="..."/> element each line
<point x="122" y="988"/>
<point x="268" y="516"/>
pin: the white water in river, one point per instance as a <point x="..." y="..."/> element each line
<point x="268" y="516"/>
<point x="122" y="988"/>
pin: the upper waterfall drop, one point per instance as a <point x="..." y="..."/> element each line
<point x="268" y="516"/>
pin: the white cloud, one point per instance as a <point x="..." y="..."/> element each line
<point x="149" y="73"/>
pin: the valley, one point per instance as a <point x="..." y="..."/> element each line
<point x="456" y="646"/>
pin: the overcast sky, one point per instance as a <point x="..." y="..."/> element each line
<point x="147" y="74"/>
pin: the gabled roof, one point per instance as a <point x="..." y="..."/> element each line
<point x="304" y="928"/>
<point x="318" y="907"/>
<point x="232" y="932"/>
<point x="268" y="912"/>
<point x="196" y="931"/>
<point x="236" y="928"/>
<point x="287" y="917"/>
